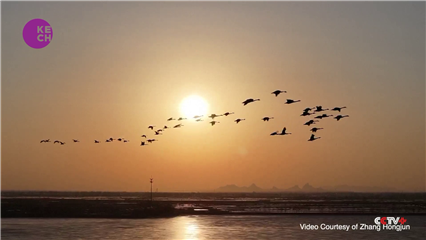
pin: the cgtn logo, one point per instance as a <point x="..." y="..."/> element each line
<point x="392" y="223"/>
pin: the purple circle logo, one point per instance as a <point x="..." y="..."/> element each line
<point x="37" y="33"/>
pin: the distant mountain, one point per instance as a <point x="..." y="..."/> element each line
<point x="253" y="188"/>
<point x="306" y="188"/>
<point x="295" y="188"/>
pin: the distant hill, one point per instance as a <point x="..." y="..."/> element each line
<point x="295" y="188"/>
<point x="254" y="188"/>
<point x="306" y="188"/>
<point x="309" y="188"/>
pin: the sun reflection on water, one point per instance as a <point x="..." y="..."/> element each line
<point x="191" y="231"/>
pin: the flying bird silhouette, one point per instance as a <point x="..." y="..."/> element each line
<point x="170" y="119"/>
<point x="315" y="129"/>
<point x="267" y="118"/>
<point x="62" y="143"/>
<point x="56" y="142"/>
<point x="143" y="143"/>
<point x="239" y="120"/>
<point x="320" y="109"/>
<point x="290" y="101"/>
<point x="277" y="92"/>
<point x="152" y="140"/>
<point x="337" y="108"/>
<point x="308" y="123"/>
<point x="151" y="127"/>
<point x="283" y="132"/>
<point x="177" y="126"/>
<point x="307" y="109"/>
<point x="338" y="117"/>
<point x="75" y="140"/>
<point x="325" y="115"/>
<point x="214" y="122"/>
<point x="96" y="141"/>
<point x="144" y="136"/>
<point x="198" y="116"/>
<point x="181" y="118"/>
<point x="305" y="114"/>
<point x="313" y="138"/>
<point x="228" y="113"/>
<point x="212" y="116"/>
<point x="199" y="120"/>
<point x="250" y="100"/>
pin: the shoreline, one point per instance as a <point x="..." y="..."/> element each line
<point x="139" y="209"/>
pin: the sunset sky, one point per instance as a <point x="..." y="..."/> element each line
<point x="113" y="69"/>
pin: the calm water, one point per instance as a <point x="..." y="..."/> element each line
<point x="203" y="227"/>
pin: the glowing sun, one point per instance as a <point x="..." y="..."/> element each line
<point x="194" y="106"/>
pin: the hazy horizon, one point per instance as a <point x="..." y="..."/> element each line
<point x="112" y="69"/>
<point x="324" y="189"/>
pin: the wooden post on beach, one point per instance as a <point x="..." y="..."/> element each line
<point x="151" y="188"/>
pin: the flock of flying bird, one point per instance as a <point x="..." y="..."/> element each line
<point x="306" y="112"/>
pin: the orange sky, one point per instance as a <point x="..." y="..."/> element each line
<point x="113" y="69"/>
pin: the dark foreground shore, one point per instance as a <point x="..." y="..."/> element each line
<point x="137" y="208"/>
<point x="83" y="208"/>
